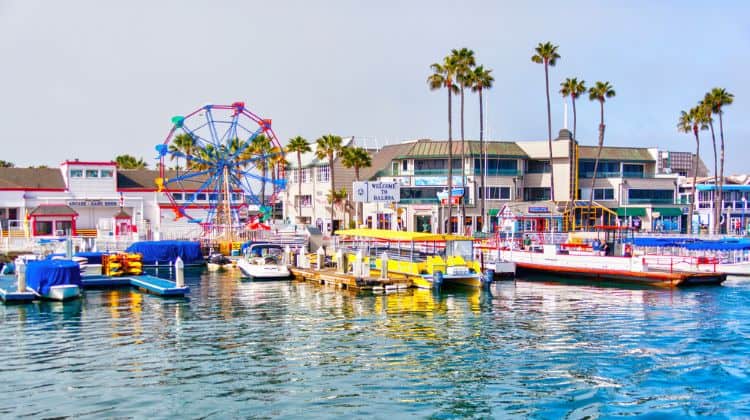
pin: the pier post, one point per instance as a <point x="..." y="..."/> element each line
<point x="21" y="270"/>
<point x="287" y="255"/>
<point x="301" y="263"/>
<point x="321" y="258"/>
<point x="340" y="262"/>
<point x="384" y="266"/>
<point x="359" y="271"/>
<point x="179" y="273"/>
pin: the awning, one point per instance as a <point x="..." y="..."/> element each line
<point x="668" y="211"/>
<point x="631" y="211"/>
<point x="493" y="212"/>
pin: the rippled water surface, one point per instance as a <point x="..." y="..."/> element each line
<point x="281" y="349"/>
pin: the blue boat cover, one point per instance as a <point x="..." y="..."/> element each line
<point x="41" y="275"/>
<point x="92" y="257"/>
<point x="718" y="245"/>
<point x="166" y="252"/>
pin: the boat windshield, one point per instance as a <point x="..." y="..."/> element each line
<point x="464" y="249"/>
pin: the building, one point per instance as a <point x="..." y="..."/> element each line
<point x="679" y="163"/>
<point x="734" y="216"/>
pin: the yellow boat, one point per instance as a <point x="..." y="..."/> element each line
<point x="428" y="259"/>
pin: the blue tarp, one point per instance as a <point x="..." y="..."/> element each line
<point x="166" y="252"/>
<point x="718" y="245"/>
<point x="41" y="275"/>
<point x="91" y="257"/>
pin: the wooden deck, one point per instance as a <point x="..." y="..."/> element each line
<point x="329" y="276"/>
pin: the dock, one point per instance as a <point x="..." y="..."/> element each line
<point x="329" y="276"/>
<point x="154" y="285"/>
<point x="9" y="291"/>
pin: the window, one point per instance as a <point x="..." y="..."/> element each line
<point x="630" y="170"/>
<point x="106" y="173"/>
<point x="189" y="197"/>
<point x="496" y="193"/>
<point x="177" y="196"/>
<point x="236" y="197"/>
<point x="305" y="200"/>
<point x="306" y="175"/>
<point x="43" y="228"/>
<point x="76" y="173"/>
<point x="606" y="169"/>
<point x="404" y="165"/>
<point x="200" y="197"/>
<point x="537" y="166"/>
<point x="213" y="197"/>
<point x="536" y="194"/>
<point x="650" y="196"/>
<point x="497" y="167"/>
<point x="324" y="173"/>
<point x="63" y="226"/>
<point x="92" y="173"/>
<point x="295" y="175"/>
<point x="604" y="194"/>
<point x="435" y="166"/>
<point x="427" y="195"/>
<point x="394" y="168"/>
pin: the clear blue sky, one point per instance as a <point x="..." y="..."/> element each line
<point x="95" y="79"/>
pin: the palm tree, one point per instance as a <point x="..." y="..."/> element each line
<point x="298" y="145"/>
<point x="338" y="198"/>
<point x="327" y="147"/>
<point x="573" y="88"/>
<point x="185" y="144"/>
<point x="261" y="147"/>
<point x="130" y="162"/>
<point x="276" y="162"/>
<point x="465" y="62"/>
<point x="546" y="53"/>
<point x="718" y="98"/>
<point x="482" y="79"/>
<point x="443" y="76"/>
<point x="356" y="157"/>
<point x="6" y="164"/>
<point x="692" y="121"/>
<point x="706" y="109"/>
<point x="599" y="92"/>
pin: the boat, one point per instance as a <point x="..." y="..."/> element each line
<point x="53" y="279"/>
<point x="604" y="268"/>
<point x="264" y="261"/>
<point x="427" y="259"/>
<point x="729" y="255"/>
<point x="217" y="262"/>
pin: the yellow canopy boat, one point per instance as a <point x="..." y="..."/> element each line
<point x="428" y="259"/>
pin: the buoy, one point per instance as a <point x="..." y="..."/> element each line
<point x="179" y="273"/>
<point x="21" y="270"/>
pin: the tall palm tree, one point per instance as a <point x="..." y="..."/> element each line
<point x="327" y="147"/>
<point x="707" y="110"/>
<point x="465" y="62"/>
<point x="719" y="98"/>
<point x="298" y="145"/>
<point x="185" y="144"/>
<point x="261" y="146"/>
<point x="573" y="88"/>
<point x="482" y="79"/>
<point x="692" y="121"/>
<point x="546" y="53"/>
<point x="443" y="76"/>
<point x="599" y="92"/>
<point x="356" y="157"/>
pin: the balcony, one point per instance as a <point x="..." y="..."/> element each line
<point x="499" y="172"/>
<point x="600" y="175"/>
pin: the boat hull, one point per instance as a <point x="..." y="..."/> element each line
<point x="263" y="272"/>
<point x="63" y="292"/>
<point x="427" y="282"/>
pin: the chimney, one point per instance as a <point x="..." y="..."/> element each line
<point x="564" y="134"/>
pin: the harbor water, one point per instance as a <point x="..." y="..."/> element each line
<point x="288" y="349"/>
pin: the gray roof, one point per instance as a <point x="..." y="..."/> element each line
<point x="426" y="148"/>
<point x="53" y="210"/>
<point x="31" y="178"/>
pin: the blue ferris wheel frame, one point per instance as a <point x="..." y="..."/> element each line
<point x="224" y="133"/>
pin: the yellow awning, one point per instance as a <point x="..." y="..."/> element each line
<point x="397" y="235"/>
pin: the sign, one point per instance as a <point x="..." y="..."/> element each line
<point x="377" y="192"/>
<point x="456" y="195"/>
<point x="434" y="181"/>
<point x="93" y="203"/>
<point x="539" y="209"/>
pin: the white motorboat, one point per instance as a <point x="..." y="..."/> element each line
<point x="63" y="292"/>
<point x="264" y="262"/>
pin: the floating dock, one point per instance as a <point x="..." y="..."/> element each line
<point x="329" y="276"/>
<point x="9" y="291"/>
<point x="150" y="284"/>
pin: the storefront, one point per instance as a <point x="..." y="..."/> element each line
<point x="53" y="220"/>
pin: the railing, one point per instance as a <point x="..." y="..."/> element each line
<point x="499" y="172"/>
<point x="599" y="175"/>
<point x="651" y="201"/>
<point x="436" y="172"/>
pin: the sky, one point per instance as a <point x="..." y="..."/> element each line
<point x="94" y="79"/>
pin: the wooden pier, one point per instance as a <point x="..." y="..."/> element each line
<point x="154" y="285"/>
<point x="329" y="276"/>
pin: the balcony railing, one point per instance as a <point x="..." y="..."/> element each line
<point x="499" y="172"/>
<point x="616" y="174"/>
<point x="436" y="172"/>
<point x="650" y="201"/>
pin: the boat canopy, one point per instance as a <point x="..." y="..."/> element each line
<point x="397" y="235"/>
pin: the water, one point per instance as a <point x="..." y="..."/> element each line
<point x="291" y="349"/>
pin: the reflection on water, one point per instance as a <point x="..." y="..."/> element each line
<point x="279" y="349"/>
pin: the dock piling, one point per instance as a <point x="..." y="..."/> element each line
<point x="321" y="258"/>
<point x="340" y="262"/>
<point x="384" y="266"/>
<point x="21" y="270"/>
<point x="179" y="266"/>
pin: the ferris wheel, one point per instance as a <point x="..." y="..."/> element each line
<point x="221" y="166"/>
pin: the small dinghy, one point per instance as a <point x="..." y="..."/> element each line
<point x="218" y="262"/>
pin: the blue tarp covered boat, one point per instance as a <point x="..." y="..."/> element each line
<point x="54" y="279"/>
<point x="166" y="252"/>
